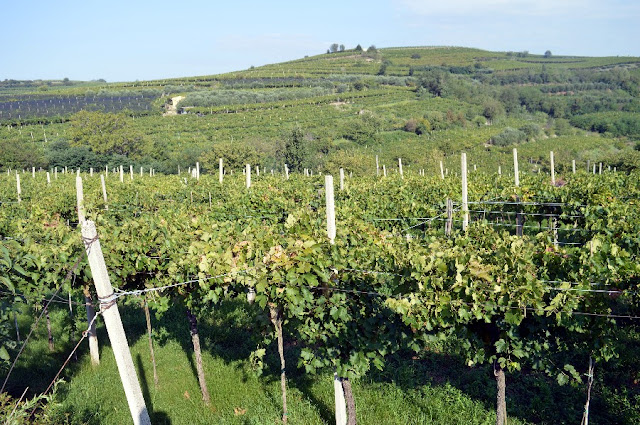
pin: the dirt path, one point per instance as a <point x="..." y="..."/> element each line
<point x="172" y="107"/>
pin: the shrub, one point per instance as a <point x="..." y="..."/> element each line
<point x="509" y="136"/>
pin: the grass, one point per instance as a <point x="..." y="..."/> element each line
<point x="431" y="388"/>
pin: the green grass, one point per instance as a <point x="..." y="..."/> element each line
<point x="431" y="388"/>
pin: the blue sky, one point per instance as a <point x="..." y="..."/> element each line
<point x="138" y="40"/>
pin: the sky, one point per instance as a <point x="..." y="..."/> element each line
<point x="119" y="40"/>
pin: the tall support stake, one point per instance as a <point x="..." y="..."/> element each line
<point x="465" y="200"/>
<point x="286" y="171"/>
<point x="48" y="179"/>
<point x="113" y="322"/>
<point x="341" y="179"/>
<point x="331" y="209"/>
<point x="516" y="172"/>
<point x="340" y="403"/>
<point x="104" y="192"/>
<point x="121" y="174"/>
<point x="441" y="170"/>
<point x="553" y="169"/>
<point x="248" y="175"/>
<point x="18" y="189"/>
<point x="131" y="172"/>
<point x="519" y="218"/>
<point x="448" y="225"/>
<point x="91" y="313"/>
<point x="400" y="167"/>
<point x="384" y="170"/>
<point x="220" y="172"/>
<point x="573" y="166"/>
<point x="600" y="168"/>
<point x="198" y="171"/>
<point x="377" y="166"/>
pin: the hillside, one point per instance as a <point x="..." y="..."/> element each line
<point x="423" y="104"/>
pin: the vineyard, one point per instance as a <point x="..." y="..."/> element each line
<point x="535" y="282"/>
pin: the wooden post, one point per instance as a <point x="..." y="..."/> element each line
<point x="198" y="171"/>
<point x="104" y="192"/>
<point x="209" y="200"/>
<point x="600" y="168"/>
<point x="130" y="172"/>
<point x="594" y="168"/>
<point x="384" y="170"/>
<point x="400" y="167"/>
<point x="141" y="172"/>
<point x="33" y="172"/>
<point x="286" y="171"/>
<point x="55" y="173"/>
<point x="465" y="200"/>
<point x="588" y="165"/>
<point x="448" y="225"/>
<point x="341" y="180"/>
<point x="441" y="170"/>
<point x="377" y="166"/>
<point x="106" y="171"/>
<point x="516" y="172"/>
<point x="48" y="179"/>
<point x="248" y="175"/>
<point x="257" y="171"/>
<point x="499" y="170"/>
<point x="573" y="166"/>
<point x="18" y="187"/>
<point x="121" y="174"/>
<point x="220" y="171"/>
<point x="553" y="169"/>
<point x="113" y="323"/>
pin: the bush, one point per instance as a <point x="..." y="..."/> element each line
<point x="479" y="121"/>
<point x="509" y="136"/>
<point x="531" y="130"/>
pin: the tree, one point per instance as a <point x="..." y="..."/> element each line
<point x="491" y="109"/>
<point x="547" y="54"/>
<point x="107" y="134"/>
<point x="235" y="156"/>
<point x="383" y="67"/>
<point x="334" y="47"/>
<point x="294" y="152"/>
<point x="358" y="48"/>
<point x="372" y="49"/>
<point x="342" y="47"/>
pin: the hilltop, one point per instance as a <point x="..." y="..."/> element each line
<point x="338" y="109"/>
